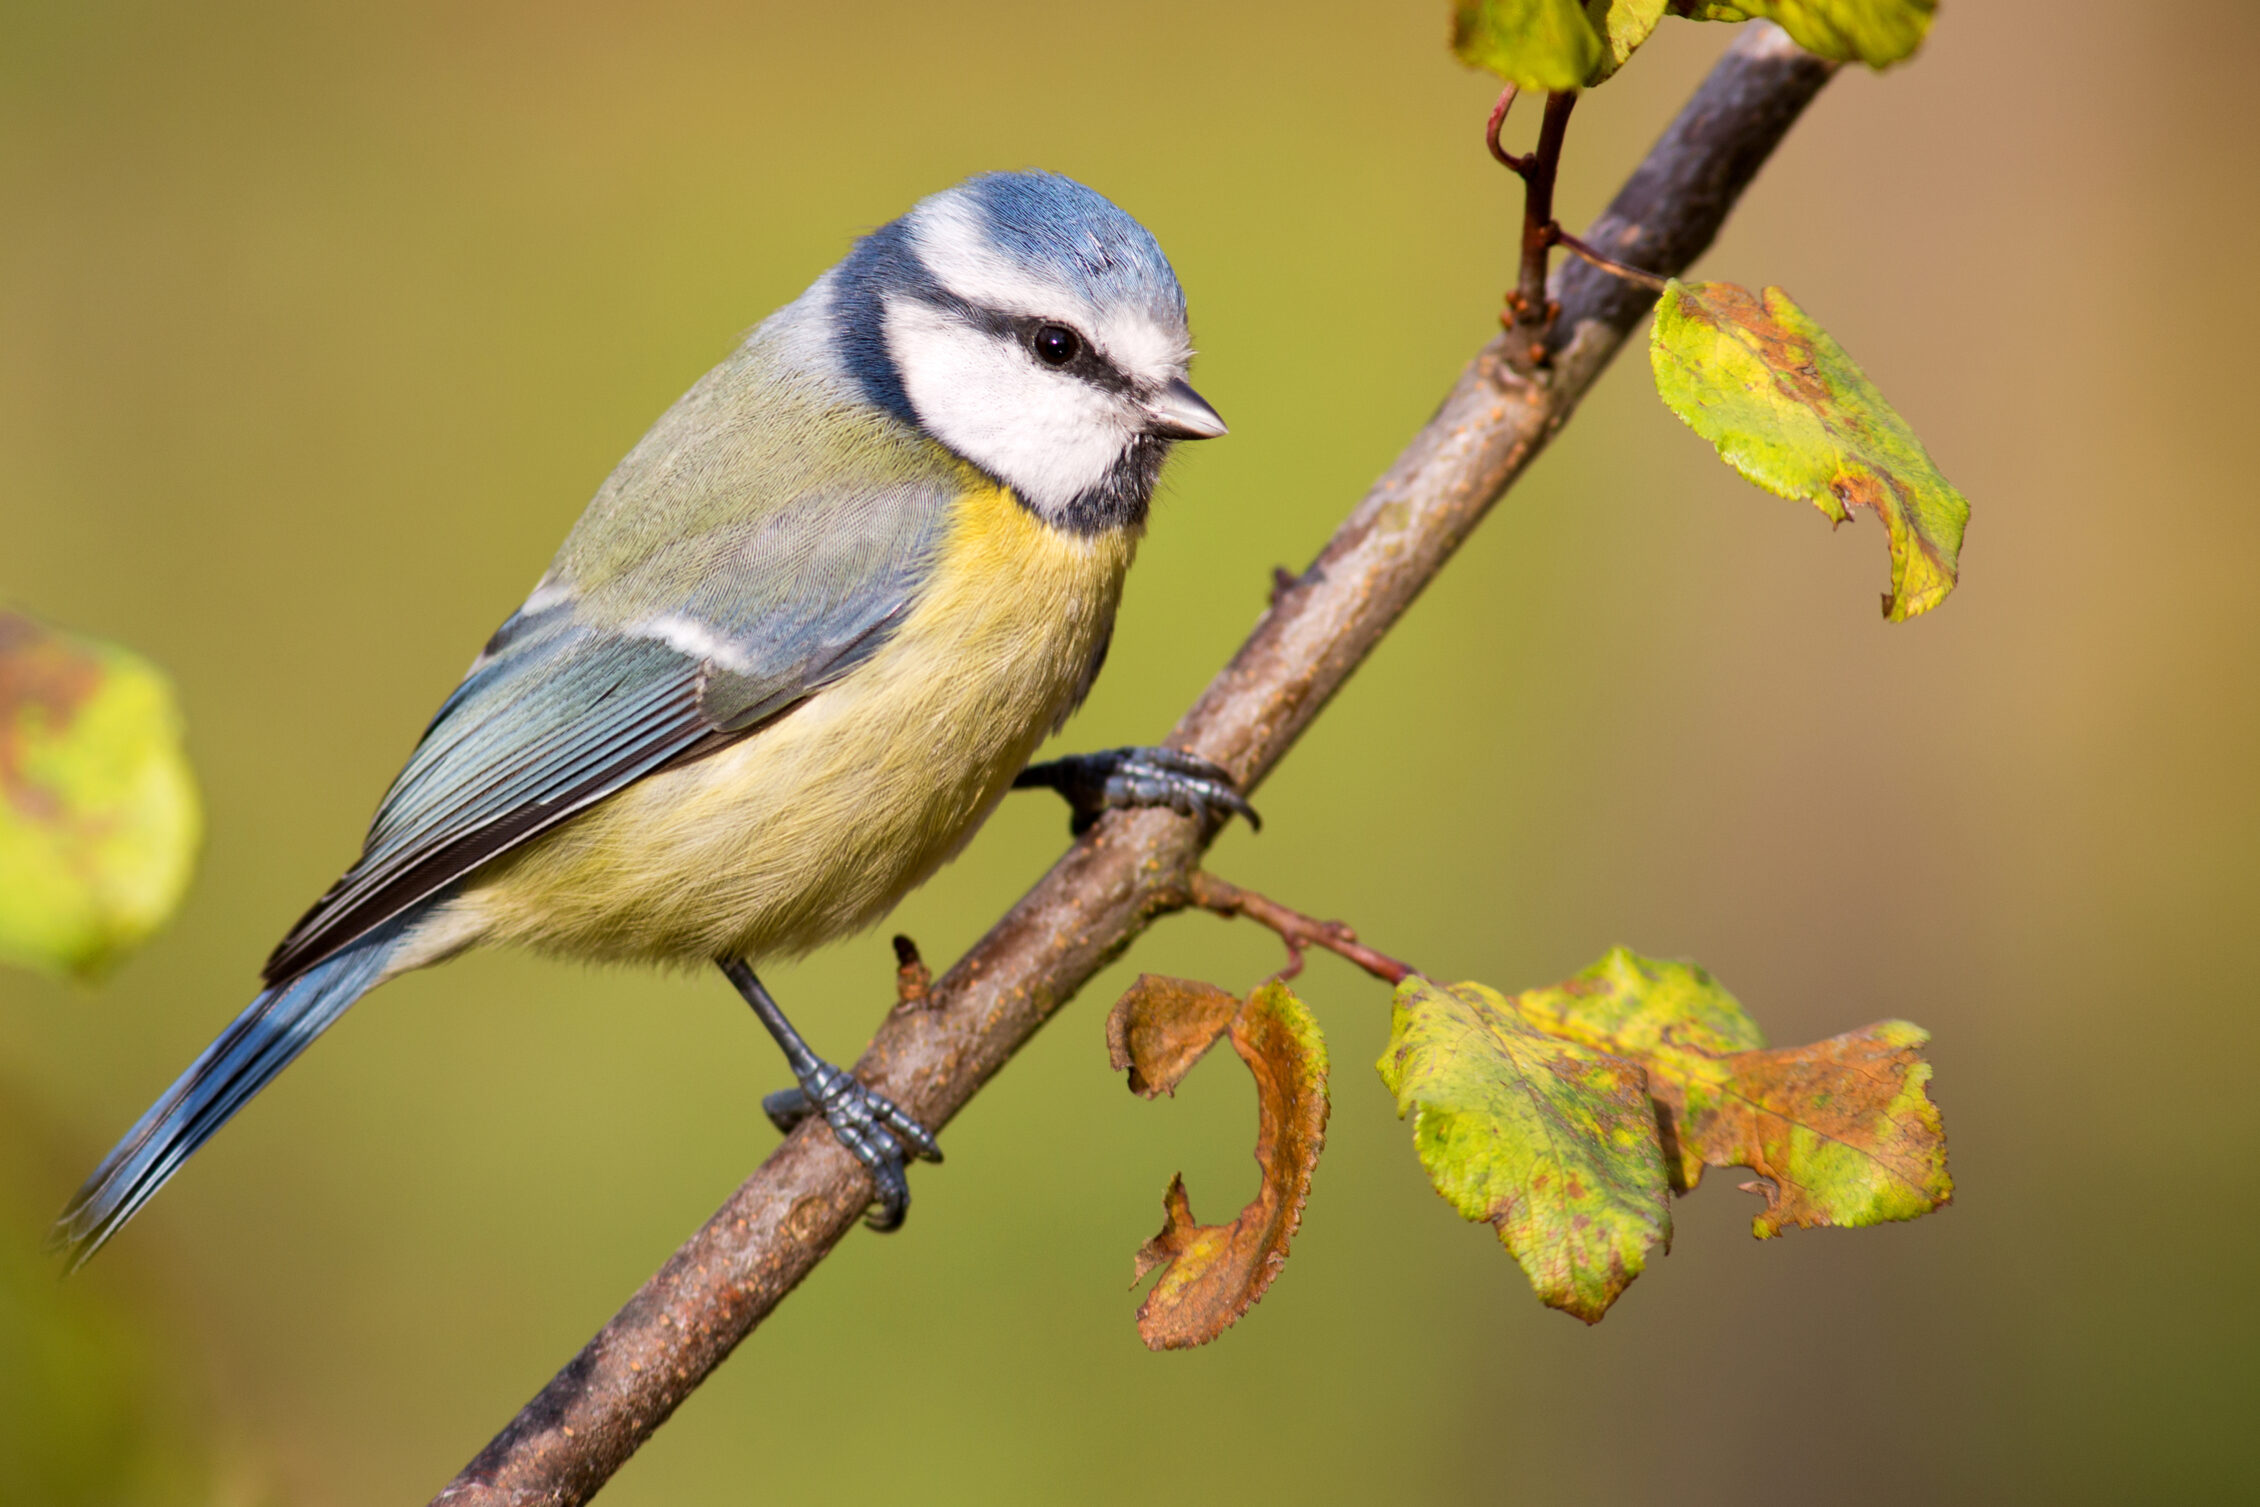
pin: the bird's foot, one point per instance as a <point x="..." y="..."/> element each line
<point x="1118" y="778"/>
<point x="868" y="1124"/>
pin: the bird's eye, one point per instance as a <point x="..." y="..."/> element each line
<point x="1056" y="345"/>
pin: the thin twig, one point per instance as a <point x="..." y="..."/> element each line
<point x="1133" y="865"/>
<point x="1295" y="929"/>
<point x="1529" y="312"/>
<point x="1519" y="166"/>
<point x="1648" y="280"/>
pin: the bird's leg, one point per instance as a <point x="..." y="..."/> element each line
<point x="867" y="1123"/>
<point x="1114" y="778"/>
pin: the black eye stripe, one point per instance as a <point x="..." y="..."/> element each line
<point x="1086" y="364"/>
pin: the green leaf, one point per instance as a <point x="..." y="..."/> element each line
<point x="1636" y="1006"/>
<point x="1536" y="44"/>
<point x="1843" y="1131"/>
<point x="99" y="819"/>
<point x="1623" y="26"/>
<point x="1786" y="407"/>
<point x="1875" y="32"/>
<point x="1552" y="44"/>
<point x="1549" y="1140"/>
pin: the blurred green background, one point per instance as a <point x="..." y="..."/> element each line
<point x="318" y="328"/>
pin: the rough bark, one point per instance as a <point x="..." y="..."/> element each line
<point x="933" y="1056"/>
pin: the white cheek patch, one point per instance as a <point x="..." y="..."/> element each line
<point x="1050" y="436"/>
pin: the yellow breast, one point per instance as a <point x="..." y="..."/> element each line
<point x="818" y="824"/>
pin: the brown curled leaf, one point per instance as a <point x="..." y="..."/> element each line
<point x="1214" y="1273"/>
<point x="1162" y="1026"/>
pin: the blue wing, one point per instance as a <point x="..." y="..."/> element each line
<point x="562" y="710"/>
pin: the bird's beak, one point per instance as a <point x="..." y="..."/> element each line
<point x="1179" y="413"/>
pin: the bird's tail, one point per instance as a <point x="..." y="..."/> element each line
<point x="266" y="1038"/>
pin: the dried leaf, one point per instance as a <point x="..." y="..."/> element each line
<point x="1162" y="1026"/>
<point x="1875" y="32"/>
<point x="98" y="812"/>
<point x="1843" y="1130"/>
<point x="1553" y="1142"/>
<point x="1216" y="1272"/>
<point x="1786" y="407"/>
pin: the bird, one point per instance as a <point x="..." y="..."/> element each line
<point x="799" y="645"/>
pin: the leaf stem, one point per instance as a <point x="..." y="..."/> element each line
<point x="1295" y="929"/>
<point x="1610" y="264"/>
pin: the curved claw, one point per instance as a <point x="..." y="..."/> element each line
<point x="874" y="1129"/>
<point x="1120" y="778"/>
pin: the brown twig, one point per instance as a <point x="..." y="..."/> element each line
<point x="1133" y="865"/>
<point x="1295" y="929"/>
<point x="1528" y="312"/>
<point x="914" y="981"/>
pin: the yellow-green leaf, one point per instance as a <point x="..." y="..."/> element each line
<point x="1552" y="44"/>
<point x="1875" y="32"/>
<point x="1551" y="1141"/>
<point x="1843" y="1131"/>
<point x="1623" y="25"/>
<point x="1786" y="407"/>
<point x="1536" y="44"/>
<point x="99" y="819"/>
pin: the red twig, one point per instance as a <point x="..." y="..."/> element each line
<point x="1297" y="930"/>
<point x="1507" y="159"/>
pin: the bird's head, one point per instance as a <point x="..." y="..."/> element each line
<point x="1036" y="330"/>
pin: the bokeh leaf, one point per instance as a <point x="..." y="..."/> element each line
<point x="1843" y="1131"/>
<point x="1214" y="1273"/>
<point x="99" y="818"/>
<point x="1786" y="407"/>
<point x="1552" y="44"/>
<point x="1553" y="1142"/>
<point x="1623" y="25"/>
<point x="1875" y="32"/>
<point x="1536" y="44"/>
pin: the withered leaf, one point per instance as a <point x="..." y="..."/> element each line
<point x="1551" y="1141"/>
<point x="1162" y="1026"/>
<point x="1784" y="405"/>
<point x="1214" y="1273"/>
<point x="1844" y="1130"/>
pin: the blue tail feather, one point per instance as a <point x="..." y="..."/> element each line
<point x="266" y="1038"/>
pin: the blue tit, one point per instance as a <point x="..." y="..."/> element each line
<point x="799" y="646"/>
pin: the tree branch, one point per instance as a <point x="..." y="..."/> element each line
<point x="931" y="1055"/>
